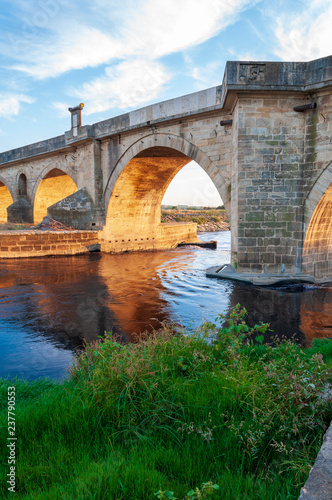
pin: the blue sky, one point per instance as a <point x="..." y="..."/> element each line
<point x="116" y="56"/>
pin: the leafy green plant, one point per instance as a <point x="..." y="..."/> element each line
<point x="206" y="490"/>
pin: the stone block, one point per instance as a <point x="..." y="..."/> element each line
<point x="76" y="211"/>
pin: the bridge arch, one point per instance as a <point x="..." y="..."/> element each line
<point x="6" y="198"/>
<point x="317" y="248"/>
<point x="52" y="185"/>
<point x="172" y="142"/>
<point x="137" y="186"/>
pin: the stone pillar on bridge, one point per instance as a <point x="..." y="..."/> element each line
<point x="20" y="211"/>
<point x="281" y="145"/>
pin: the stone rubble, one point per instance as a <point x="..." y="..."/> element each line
<point x="48" y="224"/>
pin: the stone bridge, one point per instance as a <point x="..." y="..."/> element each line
<point x="264" y="136"/>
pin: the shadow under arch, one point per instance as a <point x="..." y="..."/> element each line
<point x="317" y="248"/>
<point x="137" y="186"/>
<point x="52" y="185"/>
<point x="6" y="199"/>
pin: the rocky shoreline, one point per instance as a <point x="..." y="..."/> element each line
<point x="207" y="220"/>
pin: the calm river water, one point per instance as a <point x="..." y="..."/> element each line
<point x="49" y="305"/>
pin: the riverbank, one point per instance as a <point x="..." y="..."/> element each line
<point x="206" y="220"/>
<point x="171" y="413"/>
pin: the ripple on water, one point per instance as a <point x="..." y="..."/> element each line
<point x="48" y="306"/>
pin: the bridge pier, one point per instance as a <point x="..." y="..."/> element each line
<point x="20" y="211"/>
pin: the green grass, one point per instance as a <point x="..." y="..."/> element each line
<point x="170" y="414"/>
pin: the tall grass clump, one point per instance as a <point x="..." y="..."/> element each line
<point x="211" y="414"/>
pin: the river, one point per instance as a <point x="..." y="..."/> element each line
<point x="48" y="306"/>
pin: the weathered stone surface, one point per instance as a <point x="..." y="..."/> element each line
<point x="76" y="211"/>
<point x="260" y="279"/>
<point x="319" y="483"/>
<point x="20" y="211"/>
<point x="32" y="243"/>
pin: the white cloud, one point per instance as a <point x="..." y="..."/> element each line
<point x="62" y="109"/>
<point x="126" y="85"/>
<point x="149" y="30"/>
<point x="308" y="35"/>
<point x="85" y="47"/>
<point x="162" y="28"/>
<point x="129" y="37"/>
<point x="209" y="75"/>
<point x="10" y="104"/>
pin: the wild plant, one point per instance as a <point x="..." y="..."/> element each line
<point x="204" y="430"/>
<point x="206" y="490"/>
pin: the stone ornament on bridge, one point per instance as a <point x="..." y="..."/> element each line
<point x="76" y="117"/>
<point x="252" y="73"/>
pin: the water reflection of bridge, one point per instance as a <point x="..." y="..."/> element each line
<point x="68" y="299"/>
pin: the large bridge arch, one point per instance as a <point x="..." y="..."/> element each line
<point x="52" y="185"/>
<point x="135" y="190"/>
<point x="172" y="142"/>
<point x="6" y="198"/>
<point x="317" y="248"/>
<point x="137" y="186"/>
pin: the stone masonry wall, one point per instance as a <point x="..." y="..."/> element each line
<point x="276" y="167"/>
<point x="161" y="237"/>
<point x="40" y="243"/>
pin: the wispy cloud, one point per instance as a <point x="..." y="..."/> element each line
<point x="306" y="36"/>
<point x="208" y="75"/>
<point x="10" y="104"/>
<point x="128" y="84"/>
<point x="162" y="28"/>
<point x="85" y="47"/>
<point x="62" y="109"/>
<point x="51" y="37"/>
<point x="154" y="28"/>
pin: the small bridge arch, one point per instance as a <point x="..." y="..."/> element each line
<point x="22" y="184"/>
<point x="52" y="185"/>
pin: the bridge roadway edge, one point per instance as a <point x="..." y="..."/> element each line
<point x="224" y="94"/>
